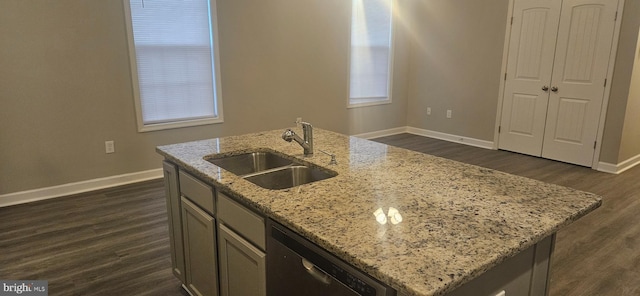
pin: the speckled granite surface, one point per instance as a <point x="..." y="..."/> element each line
<point x="457" y="222"/>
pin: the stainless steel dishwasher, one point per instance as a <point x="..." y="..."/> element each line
<point x="295" y="266"/>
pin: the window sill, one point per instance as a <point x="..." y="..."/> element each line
<point x="365" y="102"/>
<point x="178" y="124"/>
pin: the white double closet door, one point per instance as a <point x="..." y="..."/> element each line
<point x="556" y="71"/>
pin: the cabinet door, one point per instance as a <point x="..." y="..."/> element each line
<point x="579" y="72"/>
<point x="172" y="193"/>
<point x="530" y="65"/>
<point x="198" y="229"/>
<point x="558" y="61"/>
<point x="242" y="266"/>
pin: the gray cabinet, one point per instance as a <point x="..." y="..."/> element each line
<point x="199" y="236"/>
<point x="213" y="238"/>
<point x="199" y="250"/>
<point x="525" y="274"/>
<point x="241" y="245"/>
<point x="242" y="266"/>
<point x="172" y="193"/>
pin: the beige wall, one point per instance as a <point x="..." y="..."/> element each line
<point x="455" y="64"/>
<point x="612" y="136"/>
<point x="281" y="59"/>
<point x="630" y="144"/>
<point x="65" y="85"/>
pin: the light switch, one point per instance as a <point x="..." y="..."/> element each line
<point x="109" y="147"/>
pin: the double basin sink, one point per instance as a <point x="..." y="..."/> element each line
<point x="270" y="169"/>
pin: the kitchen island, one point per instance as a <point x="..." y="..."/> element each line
<point x="454" y="221"/>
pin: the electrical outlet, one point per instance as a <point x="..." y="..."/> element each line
<point x="428" y="110"/>
<point x="448" y="113"/>
<point x="298" y="120"/>
<point x="109" y="147"/>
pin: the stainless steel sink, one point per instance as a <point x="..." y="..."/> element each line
<point x="249" y="163"/>
<point x="270" y="170"/>
<point x="287" y="177"/>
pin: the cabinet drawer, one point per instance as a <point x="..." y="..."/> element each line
<point x="197" y="191"/>
<point x="243" y="221"/>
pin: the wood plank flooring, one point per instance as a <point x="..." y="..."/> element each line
<point x="108" y="242"/>
<point x="598" y="254"/>
<point x="116" y="242"/>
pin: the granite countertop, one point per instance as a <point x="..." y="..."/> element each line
<point x="457" y="220"/>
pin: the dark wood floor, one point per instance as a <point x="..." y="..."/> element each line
<point x="108" y="242"/>
<point x="115" y="241"/>
<point x="598" y="254"/>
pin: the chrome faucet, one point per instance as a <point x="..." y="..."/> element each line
<point x="307" y="142"/>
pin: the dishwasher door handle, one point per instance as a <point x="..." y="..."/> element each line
<point x="315" y="272"/>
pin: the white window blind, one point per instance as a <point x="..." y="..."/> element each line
<point x="175" y="61"/>
<point x="371" y="49"/>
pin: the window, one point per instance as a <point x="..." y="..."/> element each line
<point x="174" y="63"/>
<point x="371" y="52"/>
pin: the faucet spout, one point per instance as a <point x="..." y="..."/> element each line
<point x="306" y="142"/>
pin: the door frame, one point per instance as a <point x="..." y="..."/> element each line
<point x="607" y="89"/>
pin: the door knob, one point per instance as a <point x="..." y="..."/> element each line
<point x="554" y="89"/>
<point x="545" y="88"/>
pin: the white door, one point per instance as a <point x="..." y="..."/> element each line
<point x="530" y="64"/>
<point x="578" y="81"/>
<point x="557" y="66"/>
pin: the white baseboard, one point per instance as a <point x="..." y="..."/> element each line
<point x="383" y="133"/>
<point x="606" y="167"/>
<point x="77" y="187"/>
<point x="427" y="133"/>
<point x="620" y="167"/>
<point x="451" y="138"/>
